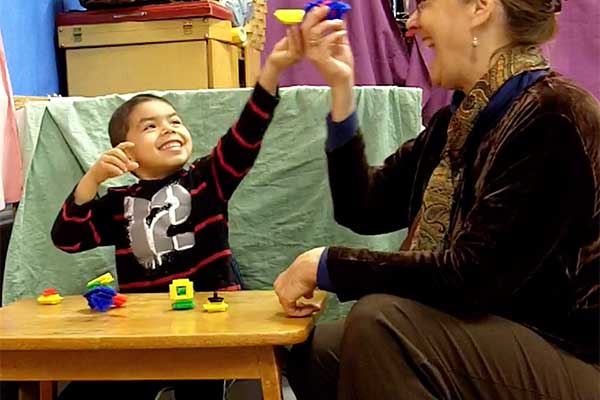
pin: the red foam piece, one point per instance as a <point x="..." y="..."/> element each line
<point x="49" y="292"/>
<point x="119" y="300"/>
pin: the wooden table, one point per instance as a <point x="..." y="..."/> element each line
<point x="147" y="340"/>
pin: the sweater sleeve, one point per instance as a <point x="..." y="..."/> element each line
<point x="372" y="200"/>
<point x="237" y="150"/>
<point x="83" y="227"/>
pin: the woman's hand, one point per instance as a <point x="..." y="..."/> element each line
<point x="299" y="280"/>
<point x="327" y="47"/>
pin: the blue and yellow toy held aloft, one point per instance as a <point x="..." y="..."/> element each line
<point x="181" y="293"/>
<point x="337" y="9"/>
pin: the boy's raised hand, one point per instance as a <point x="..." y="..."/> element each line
<point x="110" y="164"/>
<point x="287" y="52"/>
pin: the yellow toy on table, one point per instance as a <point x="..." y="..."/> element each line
<point x="50" y="296"/>
<point x="181" y="293"/>
<point x="215" y="304"/>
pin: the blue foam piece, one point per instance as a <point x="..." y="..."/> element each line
<point x="337" y="9"/>
<point x="100" y="298"/>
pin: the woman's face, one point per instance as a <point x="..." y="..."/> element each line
<point x="445" y="27"/>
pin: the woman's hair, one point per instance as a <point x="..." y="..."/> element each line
<point x="531" y="21"/>
<point x="119" y="122"/>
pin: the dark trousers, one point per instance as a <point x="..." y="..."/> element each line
<point x="393" y="348"/>
<point x="142" y="390"/>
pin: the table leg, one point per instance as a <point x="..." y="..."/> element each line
<point x="45" y="390"/>
<point x="270" y="374"/>
<point x="29" y="390"/>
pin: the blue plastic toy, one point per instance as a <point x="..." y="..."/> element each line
<point x="337" y="9"/>
<point x="101" y="298"/>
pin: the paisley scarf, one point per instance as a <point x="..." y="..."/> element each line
<point x="513" y="71"/>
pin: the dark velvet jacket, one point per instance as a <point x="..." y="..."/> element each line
<point x="524" y="240"/>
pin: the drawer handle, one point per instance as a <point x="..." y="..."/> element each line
<point x="133" y="14"/>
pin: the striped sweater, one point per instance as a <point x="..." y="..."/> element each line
<point x="174" y="227"/>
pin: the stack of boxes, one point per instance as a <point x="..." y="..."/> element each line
<point x="255" y="44"/>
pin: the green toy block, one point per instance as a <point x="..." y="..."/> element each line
<point x="183" y="304"/>
<point x="93" y="285"/>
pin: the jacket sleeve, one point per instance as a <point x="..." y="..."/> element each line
<point x="536" y="190"/>
<point x="237" y="150"/>
<point x="373" y="200"/>
<point x="83" y="227"/>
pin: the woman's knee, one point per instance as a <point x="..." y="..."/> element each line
<point x="322" y="348"/>
<point x="375" y="314"/>
<point x="312" y="366"/>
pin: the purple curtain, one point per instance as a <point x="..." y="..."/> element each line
<point x="382" y="56"/>
<point x="576" y="50"/>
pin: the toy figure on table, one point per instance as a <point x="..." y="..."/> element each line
<point x="101" y="296"/>
<point x="50" y="296"/>
<point x="181" y="293"/>
<point x="215" y="304"/>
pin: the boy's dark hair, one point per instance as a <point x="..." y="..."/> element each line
<point x="119" y="121"/>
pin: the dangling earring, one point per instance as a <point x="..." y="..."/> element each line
<point x="475" y="42"/>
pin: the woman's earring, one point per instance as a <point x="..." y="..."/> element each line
<point x="475" y="42"/>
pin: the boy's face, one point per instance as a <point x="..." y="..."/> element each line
<point x="162" y="143"/>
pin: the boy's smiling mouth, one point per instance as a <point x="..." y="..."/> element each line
<point x="173" y="144"/>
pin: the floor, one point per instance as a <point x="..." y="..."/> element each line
<point x="250" y="390"/>
<point x="243" y="390"/>
<point x="239" y="390"/>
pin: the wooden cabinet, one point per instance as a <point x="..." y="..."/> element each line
<point x="184" y="45"/>
<point x="123" y="57"/>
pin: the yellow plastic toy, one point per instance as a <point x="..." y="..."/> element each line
<point x="104" y="279"/>
<point x="215" y="304"/>
<point x="289" y="16"/>
<point x="49" y="297"/>
<point x="181" y="293"/>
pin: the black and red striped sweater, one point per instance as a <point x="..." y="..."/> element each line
<point x="174" y="227"/>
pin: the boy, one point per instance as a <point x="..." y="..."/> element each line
<point x="173" y="222"/>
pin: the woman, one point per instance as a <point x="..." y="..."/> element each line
<point x="494" y="293"/>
